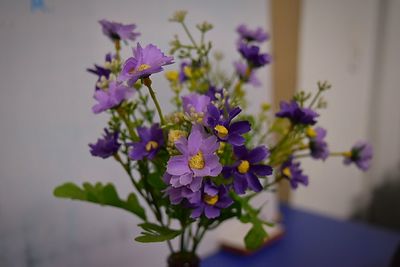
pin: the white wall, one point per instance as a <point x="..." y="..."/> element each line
<point x="345" y="43"/>
<point x="46" y="124"/>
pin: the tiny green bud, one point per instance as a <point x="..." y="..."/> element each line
<point x="179" y="16"/>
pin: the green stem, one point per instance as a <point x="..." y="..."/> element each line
<point x="315" y="98"/>
<point x="337" y="154"/>
<point x="189" y="35"/>
<point x="155" y="210"/>
<point x="147" y="82"/>
<point x="128" y="124"/>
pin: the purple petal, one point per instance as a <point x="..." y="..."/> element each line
<point x="178" y="165"/>
<point x="257" y="154"/>
<point x="254" y="182"/>
<point x="211" y="212"/>
<point x="240" y="127"/>
<point x="261" y="170"/>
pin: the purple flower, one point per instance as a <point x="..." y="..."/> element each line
<point x="185" y="72"/>
<point x="101" y="71"/>
<point x="195" y="103"/>
<point x="145" y="61"/>
<point x="253" y="56"/>
<point x="317" y="144"/>
<point x="257" y="35"/>
<point x="291" y="170"/>
<point x="210" y="200"/>
<point x="111" y="97"/>
<point x="297" y="114"/>
<point x="223" y="127"/>
<point x="248" y="167"/>
<point x="213" y="91"/>
<point x="117" y="31"/>
<point x="151" y="139"/>
<point x="106" y="146"/>
<point x="198" y="159"/>
<point x="360" y="154"/>
<point x="246" y="74"/>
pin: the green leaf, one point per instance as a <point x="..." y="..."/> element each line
<point x="100" y="194"/>
<point x="69" y="190"/>
<point x="255" y="237"/>
<point x="155" y="180"/>
<point x="156" y="233"/>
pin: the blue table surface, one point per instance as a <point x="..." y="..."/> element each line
<point x="314" y="240"/>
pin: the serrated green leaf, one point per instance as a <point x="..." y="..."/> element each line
<point x="156" y="233"/>
<point x="100" y="194"/>
<point x="69" y="190"/>
<point x="134" y="206"/>
<point x="255" y="237"/>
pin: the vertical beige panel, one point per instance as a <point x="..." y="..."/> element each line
<point x="285" y="47"/>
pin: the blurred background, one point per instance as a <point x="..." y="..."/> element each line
<point x="46" y="120"/>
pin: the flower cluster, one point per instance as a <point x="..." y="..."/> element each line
<point x="203" y="162"/>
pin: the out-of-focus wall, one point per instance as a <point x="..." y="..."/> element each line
<point x="46" y="124"/>
<point x="354" y="45"/>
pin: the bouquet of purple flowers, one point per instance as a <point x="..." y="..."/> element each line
<point x="203" y="163"/>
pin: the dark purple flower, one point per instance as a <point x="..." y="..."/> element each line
<point x="198" y="159"/>
<point x="291" y="170"/>
<point x="297" y="114"/>
<point x="247" y="168"/>
<point x="246" y="74"/>
<point x="257" y="35"/>
<point x="360" y="154"/>
<point x="317" y="144"/>
<point x="184" y="72"/>
<point x="100" y="71"/>
<point x="111" y="97"/>
<point x="223" y="127"/>
<point x="151" y="140"/>
<point x="117" y="31"/>
<point x="106" y="146"/>
<point x="145" y="61"/>
<point x="253" y="56"/>
<point x="213" y="92"/>
<point x="210" y="200"/>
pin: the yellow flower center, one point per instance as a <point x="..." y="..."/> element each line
<point x="221" y="131"/>
<point x="197" y="161"/>
<point x="188" y="71"/>
<point x="244" y="166"/>
<point x="286" y="171"/>
<point x="210" y="200"/>
<point x="140" y="68"/>
<point x="151" y="145"/>
<point x="311" y="133"/>
<point x="347" y="154"/>
<point x="175" y="135"/>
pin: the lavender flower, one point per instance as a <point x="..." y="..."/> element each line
<point x="145" y="61"/>
<point x="224" y="129"/>
<point x="100" y="71"/>
<point x="151" y="139"/>
<point x="111" y="97"/>
<point x="198" y="159"/>
<point x="253" y="56"/>
<point x="210" y="200"/>
<point x="246" y="74"/>
<point x="195" y="106"/>
<point x="360" y="154"/>
<point x="297" y="114"/>
<point x="257" y="35"/>
<point x="248" y="167"/>
<point x="317" y="144"/>
<point x="291" y="170"/>
<point x="117" y="31"/>
<point x="106" y="146"/>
